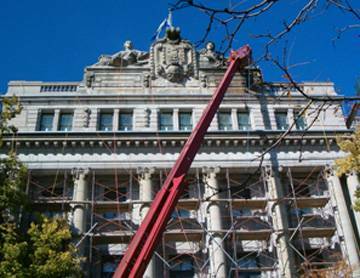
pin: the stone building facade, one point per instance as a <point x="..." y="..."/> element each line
<point x="98" y="150"/>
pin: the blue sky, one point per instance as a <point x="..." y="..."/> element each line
<point x="54" y="40"/>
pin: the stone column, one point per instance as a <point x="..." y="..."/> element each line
<point x="352" y="182"/>
<point x="342" y="218"/>
<point x="81" y="194"/>
<point x="214" y="224"/>
<point x="146" y="195"/>
<point x="280" y="223"/>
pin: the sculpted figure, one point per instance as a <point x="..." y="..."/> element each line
<point x="210" y="56"/>
<point x="124" y="58"/>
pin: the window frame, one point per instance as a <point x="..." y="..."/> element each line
<point x="220" y="125"/>
<point x="277" y="122"/>
<point x="248" y="125"/>
<point x="171" y="125"/>
<point x="62" y="113"/>
<point x="100" y="123"/>
<point x="125" y="129"/>
<point x="40" y="125"/>
<point x="302" y="117"/>
<point x="188" y="127"/>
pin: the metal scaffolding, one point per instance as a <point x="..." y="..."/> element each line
<point x="248" y="237"/>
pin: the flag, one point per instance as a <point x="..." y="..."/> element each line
<point x="166" y="23"/>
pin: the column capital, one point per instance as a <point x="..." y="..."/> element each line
<point x="78" y="172"/>
<point x="330" y="171"/>
<point x="351" y="174"/>
<point x="268" y="171"/>
<point x="211" y="171"/>
<point x="145" y="172"/>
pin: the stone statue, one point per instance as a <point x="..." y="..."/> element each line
<point x="128" y="56"/>
<point x="208" y="55"/>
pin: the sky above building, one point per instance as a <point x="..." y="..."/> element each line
<point x="54" y="40"/>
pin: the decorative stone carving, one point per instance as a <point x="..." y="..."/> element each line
<point x="89" y="78"/>
<point x="211" y="171"/>
<point x="146" y="80"/>
<point x="145" y="173"/>
<point x="129" y="56"/>
<point x="173" y="58"/>
<point x="86" y="117"/>
<point x="329" y="171"/>
<point x="208" y="56"/>
<point x="78" y="173"/>
<point x="203" y="81"/>
<point x="147" y="117"/>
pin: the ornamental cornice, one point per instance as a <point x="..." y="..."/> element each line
<point x="150" y="140"/>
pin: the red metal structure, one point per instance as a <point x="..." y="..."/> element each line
<point x="142" y="245"/>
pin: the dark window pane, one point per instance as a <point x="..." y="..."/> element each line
<point x="182" y="267"/>
<point x="65" y="121"/>
<point x="300" y="121"/>
<point x="105" y="121"/>
<point x="224" y="119"/>
<point x="113" y="195"/>
<point x="166" y="121"/>
<point x="46" y="121"/>
<point x="125" y="121"/>
<point x="244" y="121"/>
<point x="181" y="213"/>
<point x="281" y="120"/>
<point x="185" y="122"/>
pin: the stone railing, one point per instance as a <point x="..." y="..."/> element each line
<point x="58" y="88"/>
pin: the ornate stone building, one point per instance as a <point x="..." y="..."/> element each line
<point x="99" y="149"/>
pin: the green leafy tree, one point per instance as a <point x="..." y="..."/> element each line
<point x="12" y="171"/>
<point x="45" y="250"/>
<point x="352" y="161"/>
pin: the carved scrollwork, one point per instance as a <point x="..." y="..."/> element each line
<point x="173" y="58"/>
<point x="145" y="172"/>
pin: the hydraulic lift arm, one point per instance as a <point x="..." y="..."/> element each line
<point x="142" y="245"/>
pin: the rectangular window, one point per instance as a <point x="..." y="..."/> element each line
<point x="224" y="120"/>
<point x="281" y="120"/>
<point x="113" y="194"/>
<point x="244" y="120"/>
<point x="248" y="261"/>
<point x="125" y="121"/>
<point x="185" y="121"/>
<point x="65" y="121"/>
<point x="180" y="213"/>
<point x="106" y="121"/>
<point x="166" y="121"/>
<point x="46" y="121"/>
<point x="182" y="266"/>
<point x="300" y="121"/>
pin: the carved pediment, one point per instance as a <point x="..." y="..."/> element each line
<point x="173" y="58"/>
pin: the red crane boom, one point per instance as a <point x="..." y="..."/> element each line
<point x="142" y="245"/>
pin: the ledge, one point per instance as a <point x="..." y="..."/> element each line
<point x="258" y="138"/>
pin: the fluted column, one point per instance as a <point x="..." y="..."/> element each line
<point x="342" y="219"/>
<point x="352" y="182"/>
<point x="81" y="192"/>
<point x="214" y="224"/>
<point x="146" y="195"/>
<point x="280" y="223"/>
